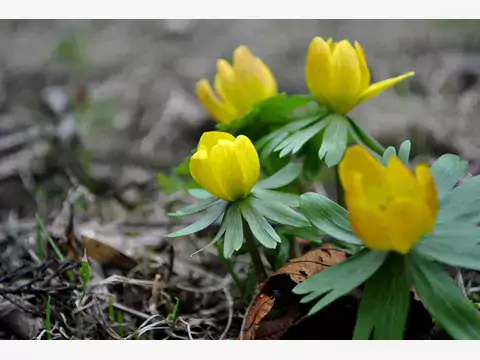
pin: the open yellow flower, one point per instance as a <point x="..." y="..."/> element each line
<point x="237" y="88"/>
<point x="390" y="208"/>
<point x="338" y="77"/>
<point x="225" y="166"/>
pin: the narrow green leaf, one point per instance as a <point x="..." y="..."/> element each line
<point x="283" y="252"/>
<point x="442" y="298"/>
<point x="195" y="208"/>
<point x="294" y="142"/>
<point x="310" y="233"/>
<point x="290" y="127"/>
<point x="453" y="244"/>
<point x="50" y="240"/>
<point x="282" y="177"/>
<point x="334" y="140"/>
<point x="200" y="194"/>
<point x="225" y="223"/>
<point x="462" y="204"/>
<point x="268" y="149"/>
<point x="404" y="151"/>
<point x="385" y="302"/>
<point x="447" y="170"/>
<point x="84" y="272"/>
<point x="209" y="218"/>
<point x="40" y="253"/>
<point x="340" y="279"/>
<point x="328" y="216"/>
<point x="233" y="232"/>
<point x="48" y="326"/>
<point x="387" y="154"/>
<point x="261" y="229"/>
<point x="174" y="314"/>
<point x="366" y="140"/>
<point x="291" y="200"/>
<point x="280" y="213"/>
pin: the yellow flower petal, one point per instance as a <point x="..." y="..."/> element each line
<point x="401" y="181"/>
<point x="338" y="77"/>
<point x="380" y="86"/>
<point x="226" y="84"/>
<point x="210" y="138"/>
<point x="249" y="162"/>
<point x="318" y="69"/>
<point x="346" y="77"/>
<point x="227" y="170"/>
<point x="239" y="87"/>
<point x="358" y="160"/>
<point x="428" y="191"/>
<point x="365" y="72"/>
<point x="217" y="109"/>
<point x="389" y="208"/>
<point x="227" y="167"/>
<point x="254" y="75"/>
<point x="203" y="173"/>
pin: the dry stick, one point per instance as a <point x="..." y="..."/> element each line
<point x="260" y="272"/>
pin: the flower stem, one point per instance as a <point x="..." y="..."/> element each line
<point x="260" y="272"/>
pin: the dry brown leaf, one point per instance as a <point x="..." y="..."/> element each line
<point x="107" y="255"/>
<point x="276" y="308"/>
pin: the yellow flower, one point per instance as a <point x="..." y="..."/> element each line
<point x="237" y="88"/>
<point x="227" y="167"/>
<point x="390" y="208"/>
<point x="338" y="77"/>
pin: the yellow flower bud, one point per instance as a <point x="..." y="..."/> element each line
<point x="390" y="208"/>
<point x="237" y="88"/>
<point x="337" y="75"/>
<point x="225" y="166"/>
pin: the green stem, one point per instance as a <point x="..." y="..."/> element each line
<point x="228" y="266"/>
<point x="260" y="272"/>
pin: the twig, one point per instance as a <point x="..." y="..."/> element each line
<point x="229" y="298"/>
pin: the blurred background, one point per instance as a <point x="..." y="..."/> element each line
<point x="110" y="103"/>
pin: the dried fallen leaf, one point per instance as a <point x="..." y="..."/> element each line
<point x="107" y="255"/>
<point x="276" y="308"/>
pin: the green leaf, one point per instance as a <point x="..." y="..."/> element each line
<point x="84" y="272"/>
<point x="328" y="216"/>
<point x="195" y="208"/>
<point x="226" y="220"/>
<point x="462" y="204"/>
<point x="340" y="279"/>
<point x="261" y="229"/>
<point x="310" y="233"/>
<point x="184" y="167"/>
<point x="290" y="127"/>
<point x="385" y="302"/>
<point x="268" y="149"/>
<point x="208" y="219"/>
<point x="291" y="200"/>
<point x="364" y="139"/>
<point x="282" y="177"/>
<point x="294" y="142"/>
<point x="387" y="154"/>
<point x="447" y="170"/>
<point x="404" y="151"/>
<point x="453" y="244"/>
<point x="234" y="231"/>
<point x="334" y="141"/>
<point x="280" y="213"/>
<point x="200" y="194"/>
<point x="174" y="314"/>
<point x="283" y="253"/>
<point x="442" y="298"/>
<point x="274" y="111"/>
